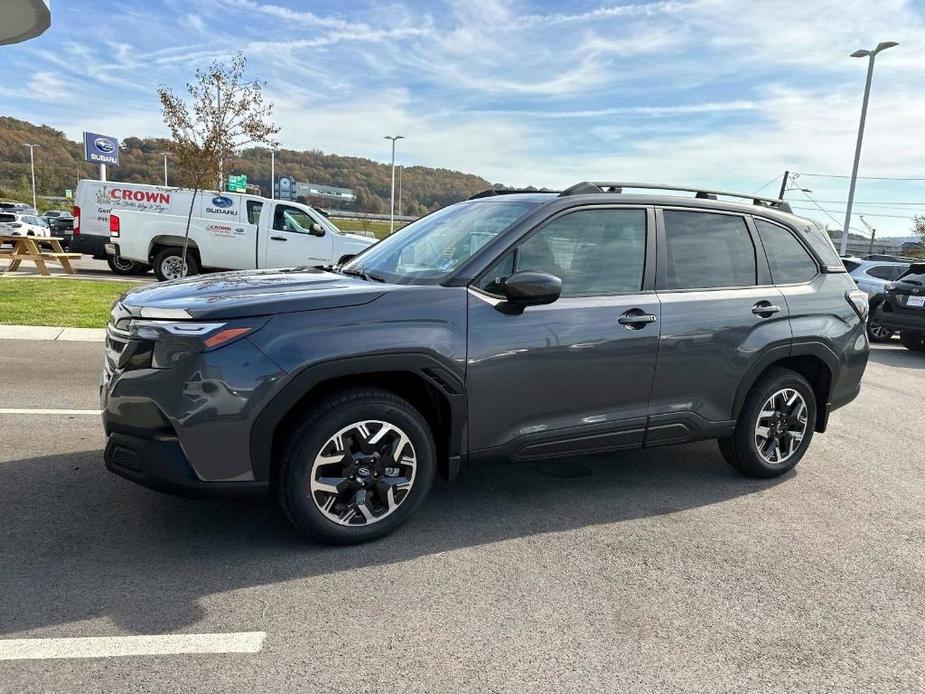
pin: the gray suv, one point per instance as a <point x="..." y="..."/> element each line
<point x="513" y="325"/>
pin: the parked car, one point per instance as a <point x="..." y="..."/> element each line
<point x="62" y="227"/>
<point x="872" y="277"/>
<point x="16" y="208"/>
<point x="903" y="308"/>
<point x="27" y="225"/>
<point x="54" y="214"/>
<point x="510" y="326"/>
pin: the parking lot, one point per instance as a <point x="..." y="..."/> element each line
<point x="654" y="570"/>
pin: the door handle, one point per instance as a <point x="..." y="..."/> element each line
<point x="636" y="319"/>
<point x="765" y="309"/>
<point x="279" y="238"/>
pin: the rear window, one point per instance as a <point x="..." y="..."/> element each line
<point x="915" y="275"/>
<point x="708" y="250"/>
<point x="885" y="272"/>
<point x="5" y="217"/>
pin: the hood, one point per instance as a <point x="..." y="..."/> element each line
<point x="250" y="293"/>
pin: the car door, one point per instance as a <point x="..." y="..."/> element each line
<point x="719" y="313"/>
<point x="572" y="376"/>
<point x="290" y="242"/>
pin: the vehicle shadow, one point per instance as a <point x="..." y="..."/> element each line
<point x="895" y="355"/>
<point x="80" y="543"/>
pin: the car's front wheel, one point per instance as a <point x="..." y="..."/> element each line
<point x="913" y="341"/>
<point x="356" y="467"/>
<point x="775" y="426"/>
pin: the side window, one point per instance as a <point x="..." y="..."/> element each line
<point x="790" y="262"/>
<point x="253" y="211"/>
<point x="708" y="250"/>
<point x="287" y="218"/>
<point x="885" y="272"/>
<point x="593" y="252"/>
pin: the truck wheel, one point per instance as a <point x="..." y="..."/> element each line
<point x="122" y="266"/>
<point x="168" y="264"/>
<point x="358" y="465"/>
<point x="913" y="341"/>
<point x="775" y="426"/>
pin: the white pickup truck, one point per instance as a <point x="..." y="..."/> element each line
<point x="228" y="231"/>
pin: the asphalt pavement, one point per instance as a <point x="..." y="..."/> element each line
<point x="647" y="571"/>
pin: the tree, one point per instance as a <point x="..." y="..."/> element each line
<point x="918" y="226"/>
<point x="224" y="114"/>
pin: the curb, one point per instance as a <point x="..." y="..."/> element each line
<point x="53" y="333"/>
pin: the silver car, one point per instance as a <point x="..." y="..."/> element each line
<point x="872" y="276"/>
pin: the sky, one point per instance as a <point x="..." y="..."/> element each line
<point x="716" y="93"/>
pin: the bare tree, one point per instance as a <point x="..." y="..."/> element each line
<point x="220" y="114"/>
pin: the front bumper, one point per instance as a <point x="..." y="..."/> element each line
<point x="158" y="462"/>
<point x="899" y="321"/>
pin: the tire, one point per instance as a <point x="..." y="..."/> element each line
<point x="878" y="334"/>
<point x="121" y="266"/>
<point x="338" y="517"/>
<point x="912" y="340"/>
<point x="167" y="264"/>
<point x="741" y="450"/>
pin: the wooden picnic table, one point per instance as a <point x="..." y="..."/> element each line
<point x="38" y="249"/>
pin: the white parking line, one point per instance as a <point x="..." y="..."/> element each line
<point x="29" y="410"/>
<point x="116" y="646"/>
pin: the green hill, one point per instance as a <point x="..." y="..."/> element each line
<point x="59" y="163"/>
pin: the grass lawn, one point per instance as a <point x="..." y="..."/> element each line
<point x="68" y="303"/>
<point x="379" y="227"/>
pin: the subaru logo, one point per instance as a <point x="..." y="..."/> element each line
<point x="103" y="145"/>
<point x="222" y="201"/>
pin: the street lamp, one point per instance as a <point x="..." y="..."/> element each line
<point x="32" y="163"/>
<point x="393" y="138"/>
<point x="272" y="172"/>
<point x="857" y="151"/>
<point x="165" y="168"/>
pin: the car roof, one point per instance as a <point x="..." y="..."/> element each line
<point x="555" y="199"/>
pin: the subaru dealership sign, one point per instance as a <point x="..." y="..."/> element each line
<point x="101" y="149"/>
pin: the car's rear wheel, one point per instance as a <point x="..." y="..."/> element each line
<point x="168" y="264"/>
<point x="356" y="467"/>
<point x="912" y="340"/>
<point x="877" y="333"/>
<point x="123" y="266"/>
<point x="775" y="426"/>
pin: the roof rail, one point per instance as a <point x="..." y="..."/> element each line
<point x="506" y="191"/>
<point x="586" y="187"/>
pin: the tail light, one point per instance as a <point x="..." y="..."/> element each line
<point x="76" y="230"/>
<point x="858" y="301"/>
<point x="114" y="226"/>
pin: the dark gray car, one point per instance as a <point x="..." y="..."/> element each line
<point x="511" y="326"/>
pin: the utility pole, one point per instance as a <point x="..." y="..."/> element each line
<point x="857" y="150"/>
<point x="783" y="185"/>
<point x="165" y="168"/>
<point x="393" y="138"/>
<point x="873" y="234"/>
<point x="32" y="164"/>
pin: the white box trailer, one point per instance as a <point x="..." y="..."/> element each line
<point x="228" y="231"/>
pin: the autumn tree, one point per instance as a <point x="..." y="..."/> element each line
<point x="219" y="115"/>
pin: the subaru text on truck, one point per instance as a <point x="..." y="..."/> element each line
<point x="510" y="326"/>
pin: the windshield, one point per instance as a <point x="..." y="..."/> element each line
<point x="428" y="250"/>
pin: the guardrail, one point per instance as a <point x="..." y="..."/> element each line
<point x="346" y="214"/>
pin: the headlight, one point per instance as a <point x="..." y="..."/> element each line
<point x="171" y="342"/>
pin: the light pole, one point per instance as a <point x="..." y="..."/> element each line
<point x="32" y="164"/>
<point x="272" y="172"/>
<point x="857" y="150"/>
<point x="399" y="189"/>
<point x="393" y="138"/>
<point x="165" y="168"/>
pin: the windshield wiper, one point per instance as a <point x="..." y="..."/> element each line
<point x="356" y="272"/>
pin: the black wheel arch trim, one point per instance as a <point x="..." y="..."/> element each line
<point x="437" y="372"/>
<point x="807" y="348"/>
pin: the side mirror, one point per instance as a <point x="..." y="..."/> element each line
<point x="316" y="229"/>
<point x="529" y="288"/>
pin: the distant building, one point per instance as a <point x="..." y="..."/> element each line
<point x="287" y="188"/>
<point x="21" y="20"/>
